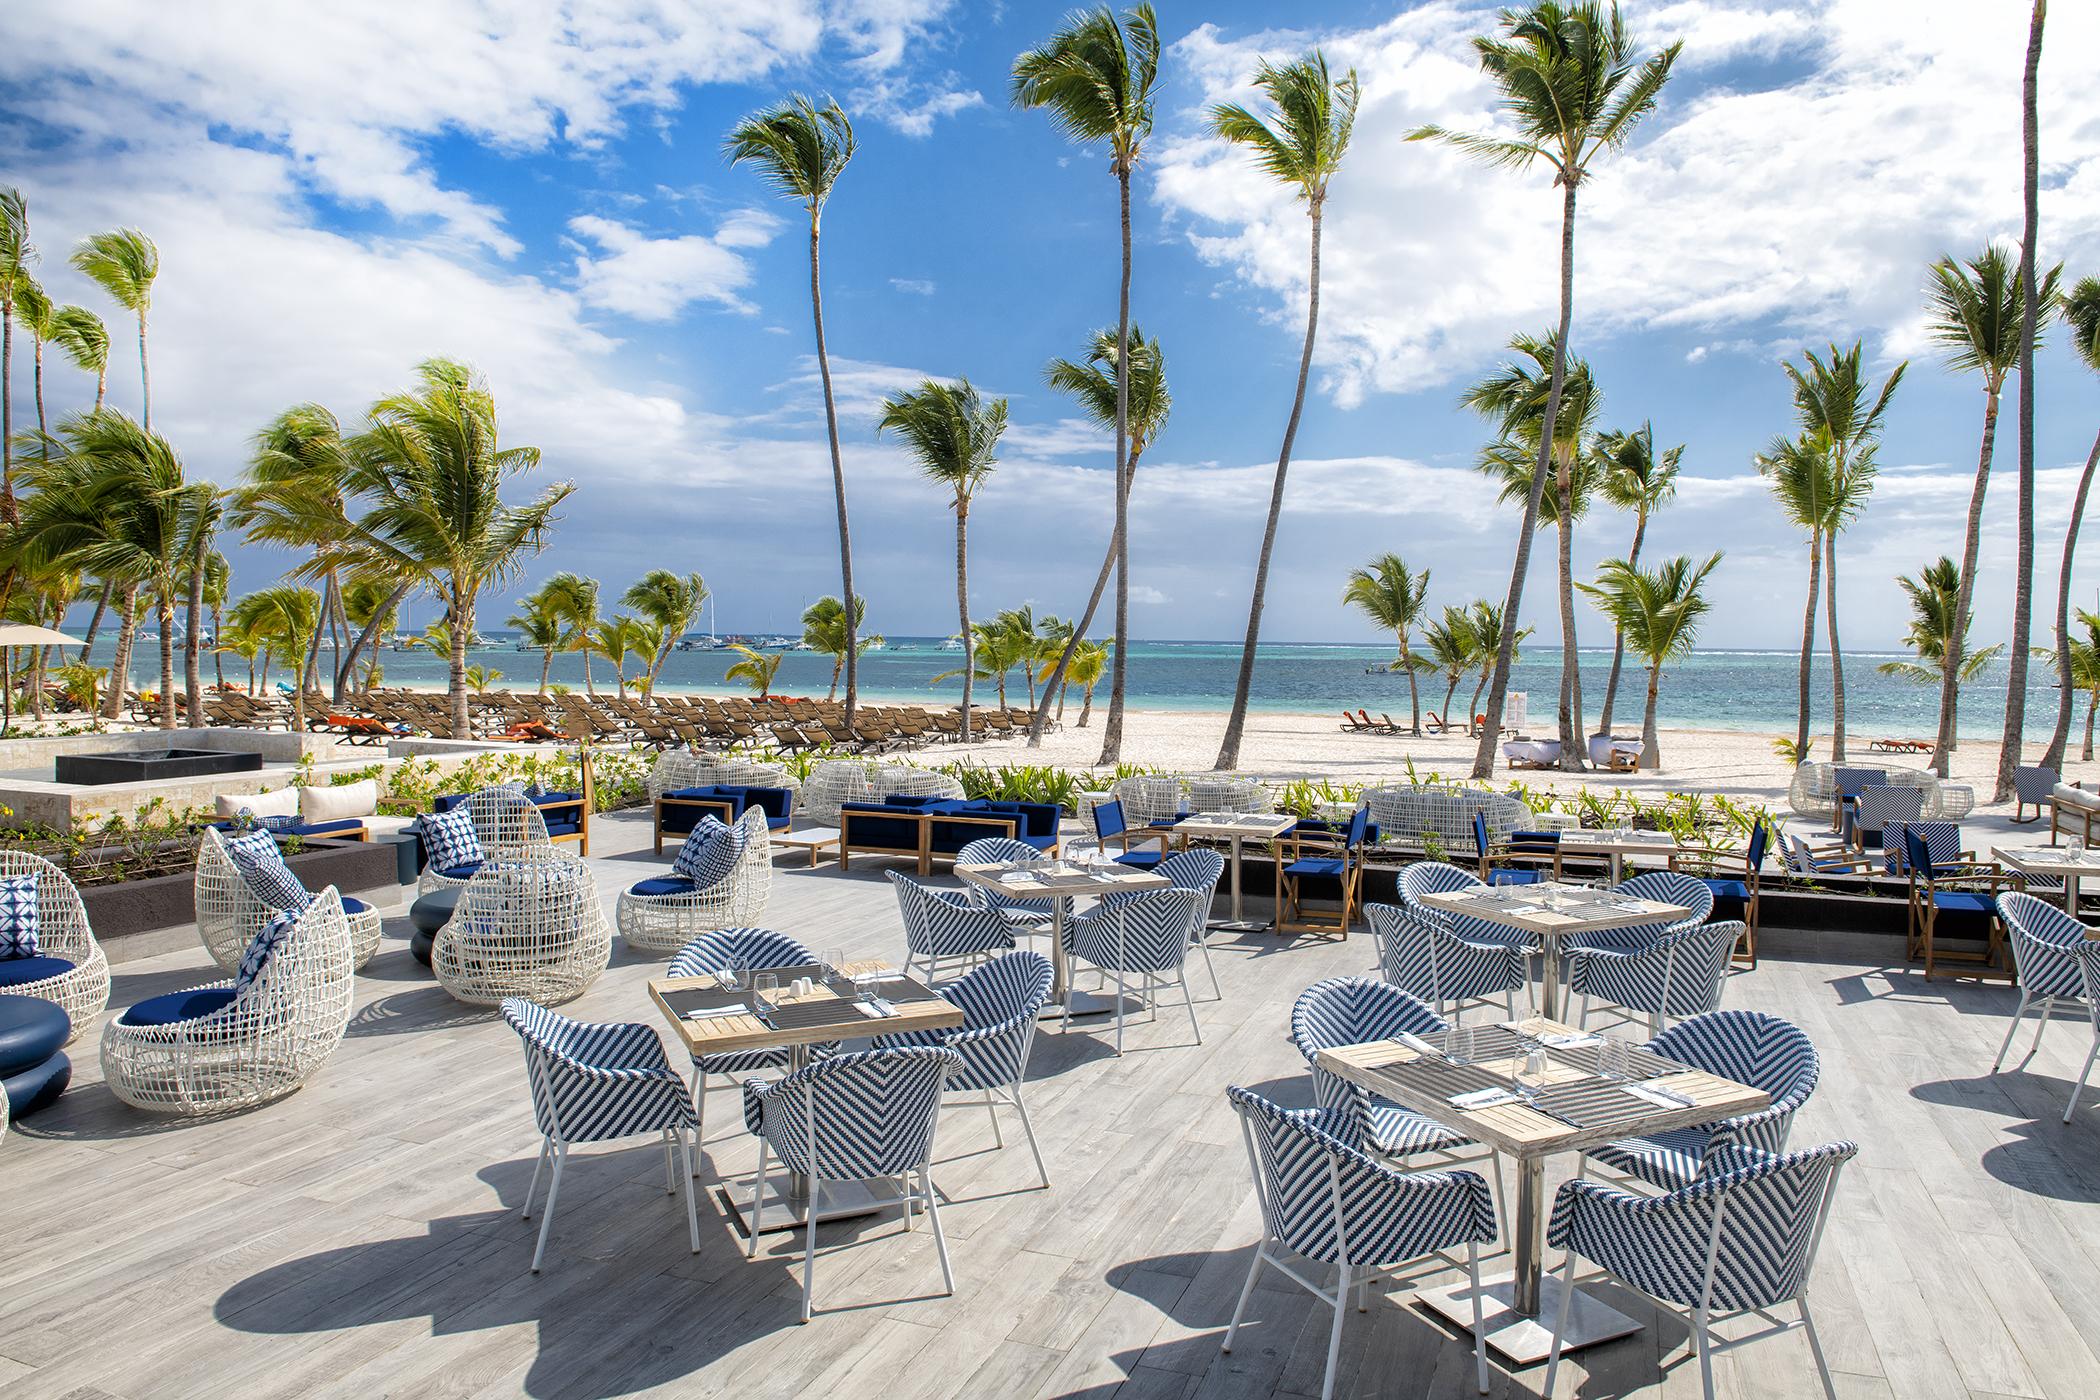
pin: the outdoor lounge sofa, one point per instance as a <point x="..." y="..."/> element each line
<point x="2072" y="809"/>
<point x="565" y="813"/>
<point x="924" y="828"/>
<point x="680" y="810"/>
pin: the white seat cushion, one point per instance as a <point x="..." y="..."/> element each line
<point x="341" y="803"/>
<point x="2064" y="795"/>
<point x="282" y="803"/>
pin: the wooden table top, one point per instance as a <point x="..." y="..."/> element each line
<point x="1237" y="823"/>
<point x="1098" y="879"/>
<point x="1425" y="1084"/>
<point x="820" y="1016"/>
<point x="2049" y="860"/>
<point x="1587" y="910"/>
<point x="1580" y="839"/>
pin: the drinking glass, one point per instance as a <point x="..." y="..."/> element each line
<point x="765" y="988"/>
<point x="2076" y="846"/>
<point x="1615" y="1059"/>
<point x="732" y="975"/>
<point x="834" y="960"/>
<point x="1463" y="1041"/>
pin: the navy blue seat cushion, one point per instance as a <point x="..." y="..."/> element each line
<point x="1729" y="889"/>
<point x="1144" y="860"/>
<point x="355" y="906"/>
<point x="20" y="972"/>
<point x="31" y="1032"/>
<point x="1516" y="877"/>
<point x="37" y="1088"/>
<point x="1962" y="901"/>
<point x="462" y="872"/>
<point x="907" y="799"/>
<point x="778" y="803"/>
<point x="325" y="828"/>
<point x="878" y="826"/>
<point x="664" y="884"/>
<point x="445" y="802"/>
<point x="561" y="820"/>
<point x="174" y="1007"/>
<point x="1314" y="866"/>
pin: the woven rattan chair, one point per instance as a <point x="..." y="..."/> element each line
<point x="529" y="925"/>
<point x="506" y="821"/>
<point x="834" y="782"/>
<point x="242" y="1042"/>
<point x="81" y="989"/>
<point x="659" y="916"/>
<point x="230" y="913"/>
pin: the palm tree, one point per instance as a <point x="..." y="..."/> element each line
<point x="612" y="638"/>
<point x="204" y="507"/>
<point x="1084" y="665"/>
<point x="124" y="263"/>
<point x="2032" y="306"/>
<point x="999" y="647"/>
<point x="1392" y="596"/>
<point x="824" y="629"/>
<point x="669" y="602"/>
<point x="574" y="599"/>
<point x="801" y="149"/>
<point x="757" y="669"/>
<point x="16" y="254"/>
<point x="2081" y="313"/>
<point x="81" y="334"/>
<point x="1831" y="399"/>
<point x="1095" y="77"/>
<point x="1487" y="633"/>
<point x="288" y="615"/>
<point x="40" y="318"/>
<point x="1977" y="312"/>
<point x="1798" y="470"/>
<point x="1571" y="82"/>
<point x="1452" y="646"/>
<point x="539" y="623"/>
<point x="482" y="677"/>
<point x="1515" y="396"/>
<point x="431" y="466"/>
<point x="1145" y="403"/>
<point x="236" y="637"/>
<point x="1658" y="612"/>
<point x="1301" y="149"/>
<point x="1632" y="477"/>
<point x="372" y="605"/>
<point x="2084" y="672"/>
<point x="954" y="437"/>
<point x="1935" y="604"/>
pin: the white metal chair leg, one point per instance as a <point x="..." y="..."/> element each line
<point x="1334" y="1333"/>
<point x="1495" y="1193"/>
<point x="692" y="1211"/>
<point x="2079" y="1087"/>
<point x="1217" y="993"/>
<point x="670" y="1175"/>
<point x="1815" y="1348"/>
<point x="561" y="1158"/>
<point x="1480" y="1352"/>
<point x="1560" y="1325"/>
<point x="1029" y="1129"/>
<point x="1706" y="1351"/>
<point x="1119" y="1013"/>
<point x="546" y="1146"/>
<point x="1246" y="1292"/>
<point x="1188" y="999"/>
<point x="758" y="1191"/>
<point x="940" y="1241"/>
<point x="2012" y="1030"/>
<point x="2048" y="1010"/>
<point x="991" y="1111"/>
<point x="809" y="1248"/>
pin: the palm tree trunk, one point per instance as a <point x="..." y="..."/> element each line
<point x="1808" y="644"/>
<point x="338" y="629"/>
<point x="1473" y="705"/>
<point x="837" y="663"/>
<point x="310" y="669"/>
<point x="120" y="663"/>
<point x="1236" y="723"/>
<point x="1837" y="657"/>
<point x="1618" y="637"/>
<point x="1086" y="619"/>
<point x="1112" y="731"/>
<point x="590" y="686"/>
<point x="456" y="679"/>
<point x="218" y="656"/>
<point x="838" y="481"/>
<point x="145" y="377"/>
<point x="546" y="666"/>
<point x="164" y="614"/>
<point x="1449" y="690"/>
<point x="1651" y="744"/>
<point x="2054" y="758"/>
<point x="1951" y="659"/>
<point x="379" y="615"/>
<point x="1512" y="608"/>
<point x="1414" y="699"/>
<point x="2023" y="580"/>
<point x="1086" y="710"/>
<point x="37" y="347"/>
<point x="2091" y="705"/>
<point x="962" y="604"/>
<point x="101" y="384"/>
<point x="193" y="641"/>
<point x="1574" y="754"/>
<point x="87" y="644"/>
<point x="7" y="399"/>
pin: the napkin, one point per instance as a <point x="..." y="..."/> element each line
<point x="1417" y="1044"/>
<point x="1656" y="1094"/>
<point x="1572" y="1041"/>
<point x="1484" y="1098"/>
<point x="709" y="1013"/>
<point x="880" y="1009"/>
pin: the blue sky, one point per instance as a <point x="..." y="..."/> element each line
<point x="339" y="194"/>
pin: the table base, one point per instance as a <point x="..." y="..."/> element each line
<point x="1526" y="1341"/>
<point x="777" y="1210"/>
<point x="1240" y="926"/>
<point x="1082" y="1004"/>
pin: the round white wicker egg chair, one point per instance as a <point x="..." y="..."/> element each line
<point x="901" y="779"/>
<point x="1147" y="800"/>
<point x="680" y="768"/>
<point x="832" y="782"/>
<point x="1210" y="792"/>
<point x="506" y="822"/>
<point x="528" y="925"/>
<point x="62" y="932"/>
<point x="229" y="915"/>
<point x="659" y="924"/>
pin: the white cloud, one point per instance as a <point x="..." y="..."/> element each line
<point x="654" y="279"/>
<point x="914" y="286"/>
<point x="911" y="107"/>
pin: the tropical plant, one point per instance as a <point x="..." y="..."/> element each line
<point x="669" y="602"/>
<point x="1084" y="669"/>
<point x="954" y="437"/>
<point x="80" y="683"/>
<point x="1000" y="646"/>
<point x="287" y="615"/>
<point x="2081" y="315"/>
<point x="1095" y="78"/>
<point x="757" y="670"/>
<point x="1935" y="603"/>
<point x="1658" y="612"/>
<point x="614" y="638"/>
<point x="431" y="466"/>
<point x="2084" y="672"/>
<point x="1452" y="646"/>
<point x="40" y="318"/>
<point x="1798" y="471"/>
<point x="482" y="677"/>
<point x="1392" y="596"/>
<point x="802" y="149"/>
<point x="1571" y="82"/>
<point x="1487" y="634"/>
<point x="125" y="263"/>
<point x="1301" y="148"/>
<point x="16" y="254"/>
<point x="373" y="606"/>
<point x="1632" y="476"/>
<point x="1098" y="387"/>
<point x="2015" y="733"/>
<point x="574" y="599"/>
<point x="540" y="626"/>
<point x="80" y="333"/>
<point x="824" y="629"/>
<point x="1977" y="310"/>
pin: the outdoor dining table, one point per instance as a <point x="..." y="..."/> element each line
<point x="2052" y="863"/>
<point x="713" y="1018"/>
<point x="1234" y="828"/>
<point x="1564" y="1103"/>
<point x="1058" y="883"/>
<point x="1616" y="844"/>
<point x="1551" y="910"/>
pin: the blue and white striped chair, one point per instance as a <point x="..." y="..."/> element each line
<point x="1847" y="784"/>
<point x="741" y="950"/>
<point x="1749" y="1047"/>
<point x="595" y="1083"/>
<point x="1439" y="877"/>
<point x="1026" y="916"/>
<point x="1197" y="869"/>
<point x="1877" y="807"/>
<point x="1000" y="1002"/>
<point x="1942" y="842"/>
<point x="853" y="1118"/>
<point x="947" y="926"/>
<point x="2056" y="959"/>
<point x="1678" y="975"/>
<point x="1741" y="1239"/>
<point x="1804" y="859"/>
<point x="1324" y="1200"/>
<point x="1147" y="935"/>
<point x="1422" y="958"/>
<point x="1663" y="886"/>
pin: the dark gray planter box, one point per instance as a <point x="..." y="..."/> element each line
<point x="167" y="901"/>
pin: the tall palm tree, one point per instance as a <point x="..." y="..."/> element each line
<point x="371" y="604"/>
<point x="16" y="254"/>
<point x="1144" y="405"/>
<point x="40" y="318"/>
<point x="297" y="497"/>
<point x="2081" y="313"/>
<point x="824" y="629"/>
<point x="669" y="602"/>
<point x="1574" y="87"/>
<point x="1514" y="395"/>
<point x="124" y="263"/>
<point x="574" y="599"/>
<point x="1798" y="470"/>
<point x="1300" y="147"/>
<point x="1976" y="310"/>
<point x="1632" y="477"/>
<point x="204" y="506"/>
<point x="954" y="436"/>
<point x="614" y="639"/>
<point x="1658" y="612"/>
<point x="431" y="467"/>
<point x="1935" y="604"/>
<point x="1487" y="620"/>
<point x="2031" y="305"/>
<point x="2083" y="671"/>
<point x="758" y="669"/>
<point x="289" y="615"/>
<point x="540" y="625"/>
<point x="1392" y="596"/>
<point x="1451" y="645"/>
<point x="1084" y="666"/>
<point x="801" y="149"/>
<point x="1095" y="77"/>
<point x="81" y="334"/>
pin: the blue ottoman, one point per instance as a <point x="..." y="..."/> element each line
<point x="427" y="915"/>
<point x="33" y="1069"/>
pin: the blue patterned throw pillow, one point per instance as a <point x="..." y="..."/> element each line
<point x="449" y="839"/>
<point x="262" y="949"/>
<point x="18" y="916"/>
<point x="709" y="853"/>
<point x="268" y="878"/>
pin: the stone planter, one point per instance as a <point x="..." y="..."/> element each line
<point x="167" y="901"/>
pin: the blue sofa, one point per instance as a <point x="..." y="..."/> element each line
<point x="923" y="828"/>
<point x="565" y="814"/>
<point x="679" y="810"/>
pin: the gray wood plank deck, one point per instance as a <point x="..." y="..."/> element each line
<point x="361" y="1237"/>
